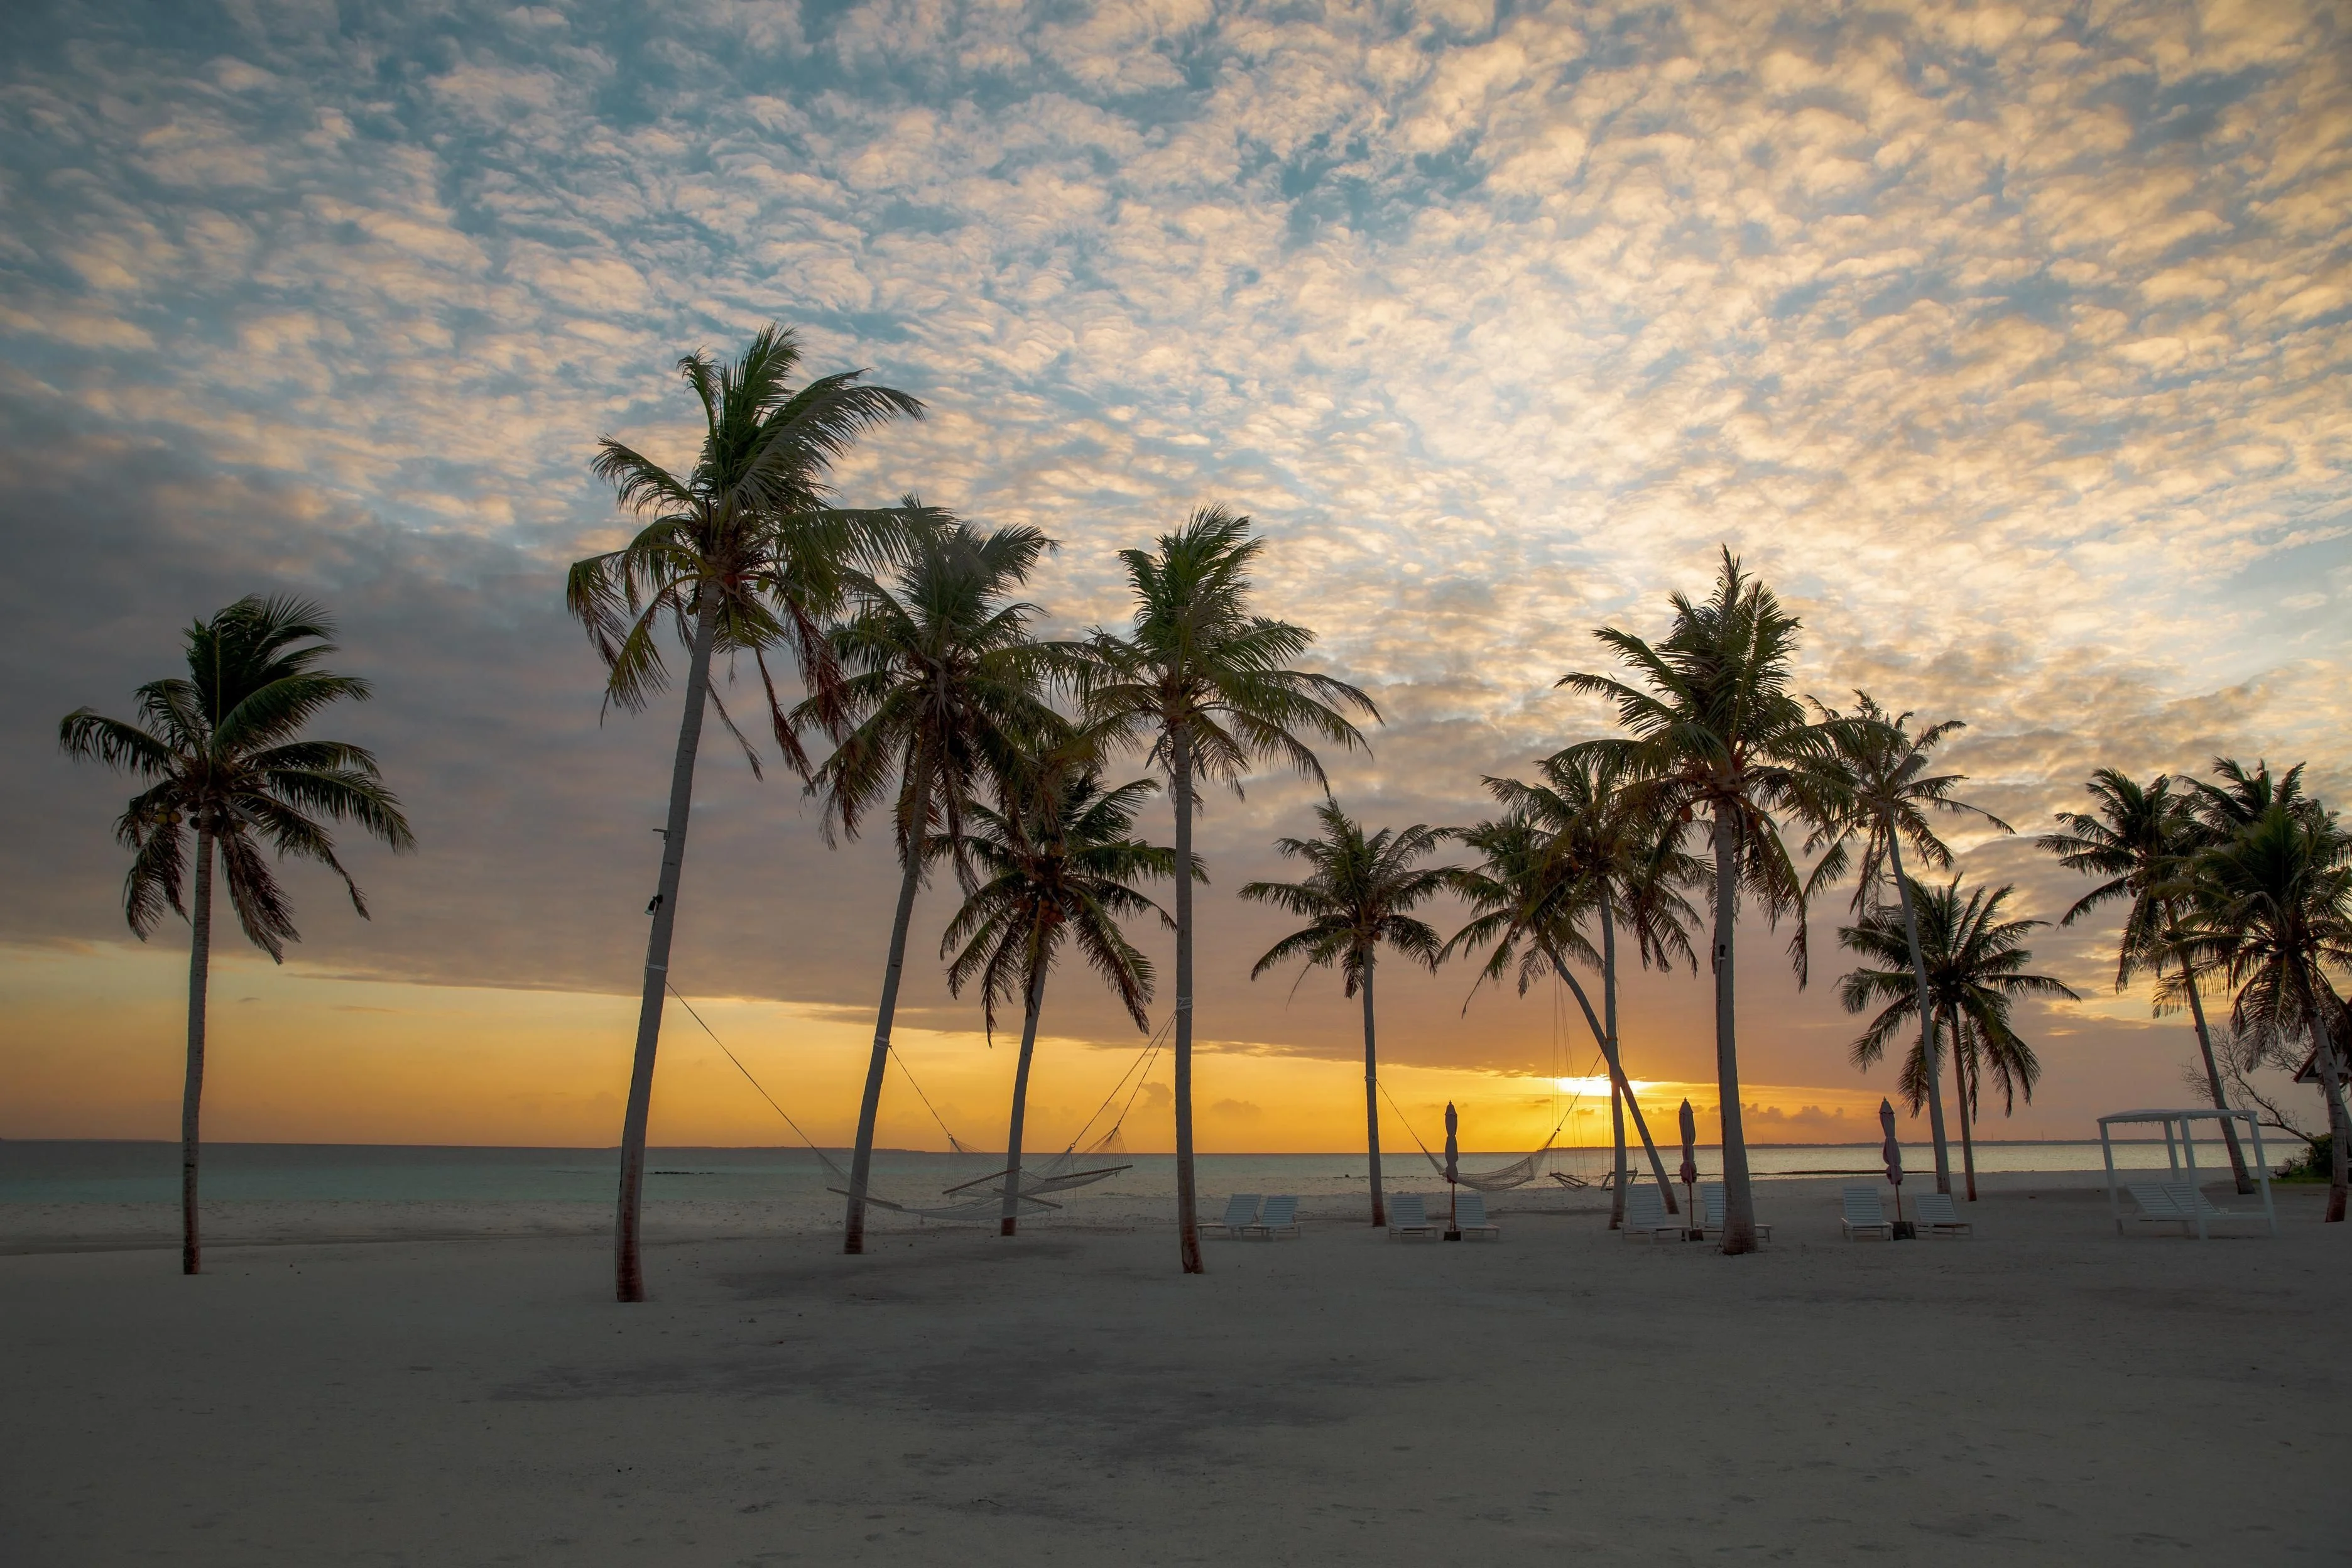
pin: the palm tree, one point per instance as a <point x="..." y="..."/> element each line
<point x="743" y="553"/>
<point x="1524" y="891"/>
<point x="1715" y="730"/>
<point x="2139" y="838"/>
<point x="940" y="694"/>
<point x="1209" y="686"/>
<point x="1616" y="858"/>
<point x="1887" y="795"/>
<point x="1060" y="861"/>
<point x="1974" y="962"/>
<point x="1358" y="896"/>
<point x="221" y="752"/>
<point x="2273" y="911"/>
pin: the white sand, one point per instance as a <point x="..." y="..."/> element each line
<point x="2044" y="1394"/>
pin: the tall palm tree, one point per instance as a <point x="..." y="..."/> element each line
<point x="942" y="694"/>
<point x="1887" y="795"/>
<point x="1208" y="685"/>
<point x="1613" y="856"/>
<point x="1359" y="895"/>
<point x="2139" y="839"/>
<point x="221" y="752"/>
<point x="2273" y="913"/>
<point x="1975" y="968"/>
<point x="1059" y="862"/>
<point x="742" y="552"/>
<point x="1716" y="731"/>
<point x="1529" y="903"/>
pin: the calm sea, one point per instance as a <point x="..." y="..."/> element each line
<point x="43" y="1172"/>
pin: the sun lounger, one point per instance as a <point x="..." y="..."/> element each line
<point x="1240" y="1213"/>
<point x="1711" y="1212"/>
<point x="1470" y="1217"/>
<point x="1937" y="1218"/>
<point x="1278" y="1218"/>
<point x="1408" y="1218"/>
<point x="2180" y="1203"/>
<point x="1864" y="1215"/>
<point x="1646" y="1219"/>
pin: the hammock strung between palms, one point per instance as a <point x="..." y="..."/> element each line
<point x="1059" y="1174"/>
<point x="1518" y="1174"/>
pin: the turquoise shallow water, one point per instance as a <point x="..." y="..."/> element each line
<point x="42" y="1171"/>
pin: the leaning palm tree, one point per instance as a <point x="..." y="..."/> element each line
<point x="1359" y="895"/>
<point x="1887" y="795"/>
<point x="1715" y="730"/>
<point x="1975" y="968"/>
<point x="1527" y="904"/>
<point x="743" y="553"/>
<point x="221" y="752"/>
<point x="2273" y="913"/>
<point x="1619" y="860"/>
<point x="2139" y="839"/>
<point x="1060" y="862"/>
<point x="940" y="696"/>
<point x="1208" y="686"/>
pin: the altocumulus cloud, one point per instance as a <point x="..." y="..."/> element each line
<point x="2010" y="345"/>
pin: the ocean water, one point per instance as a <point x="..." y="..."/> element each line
<point x="44" y="1172"/>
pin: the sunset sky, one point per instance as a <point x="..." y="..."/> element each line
<point x="2010" y="345"/>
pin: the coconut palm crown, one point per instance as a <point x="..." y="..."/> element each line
<point x="1209" y="686"/>
<point x="224" y="763"/>
<point x="1975" y="960"/>
<point x="744" y="551"/>
<point x="942" y="694"/>
<point x="1058" y="861"/>
<point x="1888" y="793"/>
<point x="1356" y="898"/>
<point x="1713" y="730"/>
<point x="2271" y="911"/>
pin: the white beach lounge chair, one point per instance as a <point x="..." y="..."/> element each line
<point x="1408" y="1218"/>
<point x="1470" y="1218"/>
<point x="1937" y="1218"/>
<point x="1646" y="1217"/>
<point x="1240" y="1213"/>
<point x="1864" y="1215"/>
<point x="1711" y="1212"/>
<point x="1280" y="1217"/>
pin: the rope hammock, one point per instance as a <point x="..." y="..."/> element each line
<point x="1060" y="1173"/>
<point x="1518" y="1174"/>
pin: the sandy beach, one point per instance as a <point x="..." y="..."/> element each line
<point x="2043" y="1392"/>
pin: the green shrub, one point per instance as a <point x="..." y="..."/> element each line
<point x="2315" y="1164"/>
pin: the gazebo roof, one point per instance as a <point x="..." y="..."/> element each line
<point x="2203" y="1112"/>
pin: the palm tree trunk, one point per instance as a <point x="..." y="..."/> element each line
<point x="1964" y="1091"/>
<point x="2214" y="1081"/>
<point x="869" y="1107"/>
<point x="200" y="967"/>
<point x="1010" y="1223"/>
<point x="628" y="1277"/>
<point x="1927" y="1021"/>
<point x="2339" y="1129"/>
<point x="1616" y="1100"/>
<point x="1372" y="1102"/>
<point x="1739" y="1201"/>
<point x="1618" y="1079"/>
<point x="1617" y="1180"/>
<point x="1188" y="1211"/>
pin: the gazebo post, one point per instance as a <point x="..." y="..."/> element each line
<point x="2263" y="1164"/>
<point x="2108" y="1150"/>
<point x="2196" y="1197"/>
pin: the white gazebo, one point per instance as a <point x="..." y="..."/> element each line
<point x="2177" y="1198"/>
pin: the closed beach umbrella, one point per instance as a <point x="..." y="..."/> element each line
<point x="1892" y="1152"/>
<point x="1452" y="1149"/>
<point x="1690" y="1145"/>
